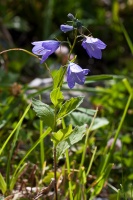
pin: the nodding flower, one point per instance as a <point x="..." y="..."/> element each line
<point x="75" y="74"/>
<point x="45" y="48"/>
<point x="93" y="47"/>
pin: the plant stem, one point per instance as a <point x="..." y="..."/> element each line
<point x="68" y="167"/>
<point x="10" y="156"/>
<point x="18" y="124"/>
<point x="74" y="42"/>
<point x="124" y="113"/>
<point x="86" y="140"/>
<point x="26" y="155"/>
<point x="120" y="124"/>
<point x="42" y="142"/>
<point x="28" y="52"/>
<point x="55" y="168"/>
<point x="19" y="49"/>
<point x="91" y="161"/>
<point x="69" y="178"/>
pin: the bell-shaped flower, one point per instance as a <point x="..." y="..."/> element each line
<point x="45" y="48"/>
<point x="66" y="28"/>
<point x="75" y="74"/>
<point x="93" y="47"/>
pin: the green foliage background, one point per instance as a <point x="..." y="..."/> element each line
<point x="25" y="21"/>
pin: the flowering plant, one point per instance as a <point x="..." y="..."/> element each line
<point x="66" y="136"/>
<point x="64" y="120"/>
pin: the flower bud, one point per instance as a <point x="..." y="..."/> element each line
<point x="70" y="16"/>
<point x="66" y="28"/>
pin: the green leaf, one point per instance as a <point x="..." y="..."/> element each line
<point x="18" y="168"/>
<point x="18" y="124"/>
<point x="69" y="106"/>
<point x="129" y="42"/>
<point x="49" y="177"/>
<point x="3" y="185"/>
<point x="76" y="136"/>
<point x="15" y="178"/>
<point x="44" y="111"/>
<point x="62" y="134"/>
<point x="2" y="123"/>
<point x="98" y="78"/>
<point x="102" y="179"/>
<point x="99" y="122"/>
<point x="58" y="78"/>
<point x="56" y="96"/>
<point x="78" y="118"/>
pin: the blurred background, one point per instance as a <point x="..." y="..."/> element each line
<point x="26" y="21"/>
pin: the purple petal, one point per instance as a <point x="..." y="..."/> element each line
<point x="94" y="52"/>
<point x="70" y="79"/>
<point x="66" y="28"/>
<point x="86" y="71"/>
<point x="75" y="74"/>
<point x="100" y="44"/>
<point x="45" y="48"/>
<point x="79" y="78"/>
<point x="37" y="43"/>
<point x="71" y="82"/>
<point x="51" y="45"/>
<point x="93" y="47"/>
<point x="75" y="68"/>
<point x="45" y="56"/>
<point x="39" y="50"/>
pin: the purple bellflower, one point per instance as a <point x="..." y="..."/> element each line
<point x="45" y="48"/>
<point x="75" y="74"/>
<point x="93" y="47"/>
<point x="66" y="28"/>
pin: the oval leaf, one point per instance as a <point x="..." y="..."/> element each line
<point x="56" y="96"/>
<point x="44" y="111"/>
<point x="58" y="78"/>
<point x="69" y="106"/>
<point x="78" y="118"/>
<point x="62" y="134"/>
<point x="75" y="136"/>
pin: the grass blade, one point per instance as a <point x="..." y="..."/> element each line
<point x="18" y="124"/>
<point x="3" y="186"/>
<point x="130" y="44"/>
<point x="30" y="150"/>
